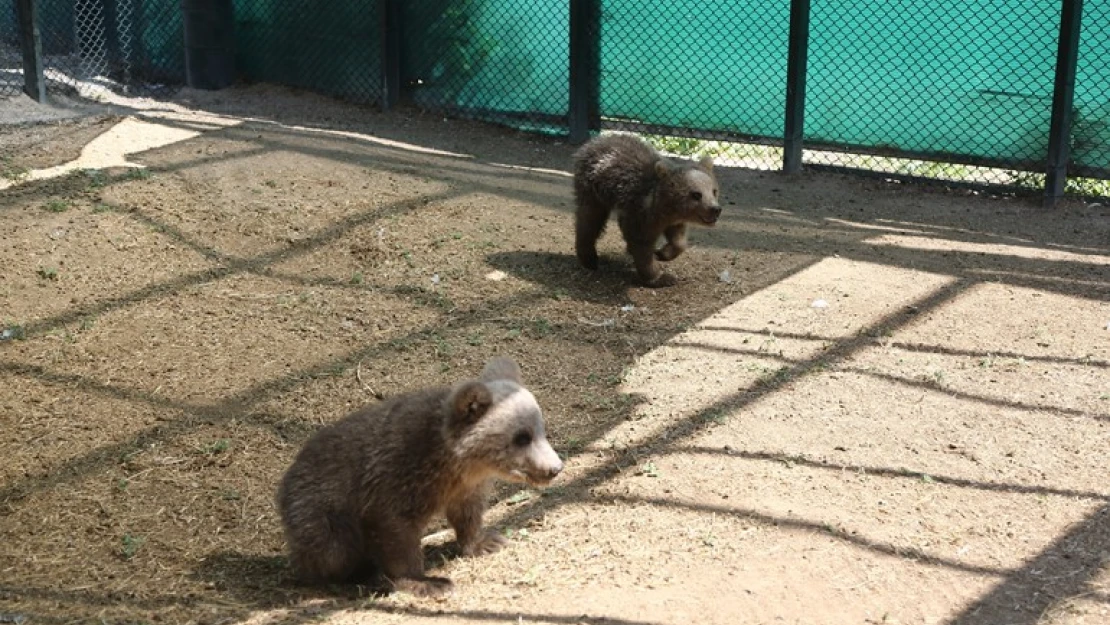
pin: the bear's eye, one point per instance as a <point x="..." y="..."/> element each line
<point x="523" y="438"/>
<point x="695" y="195"/>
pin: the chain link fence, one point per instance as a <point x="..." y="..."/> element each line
<point x="333" y="49"/>
<point x="90" y="47"/>
<point x="505" y="61"/>
<point x="697" y="77"/>
<point x="965" y="86"/>
<point x="951" y="89"/>
<point x="11" y="51"/>
<point x="1090" y="144"/>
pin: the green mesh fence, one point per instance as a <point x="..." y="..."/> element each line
<point x="11" y="52"/>
<point x="963" y="80"/>
<point x="500" y="60"/>
<point x="1090" y="138"/>
<point x="89" y="46"/>
<point x="947" y="88"/>
<point x="332" y="49"/>
<point x="694" y="68"/>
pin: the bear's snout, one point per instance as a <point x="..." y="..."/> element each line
<point x="555" y="469"/>
<point x="711" y="215"/>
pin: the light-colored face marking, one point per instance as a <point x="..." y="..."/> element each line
<point x="701" y="196"/>
<point x="511" y="439"/>
<point x="703" y="183"/>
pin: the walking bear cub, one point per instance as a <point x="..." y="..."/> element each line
<point x="652" y="195"/>
<point x="357" y="499"/>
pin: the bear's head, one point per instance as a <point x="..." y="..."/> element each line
<point x="496" y="428"/>
<point x="689" y="190"/>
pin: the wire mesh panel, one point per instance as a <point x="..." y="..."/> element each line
<point x="93" y="46"/>
<point x="11" y="51"/>
<point x="505" y="61"/>
<point x="1090" y="139"/>
<point x="155" y="51"/>
<point x="966" y="81"/>
<point x="694" y="68"/>
<point x="332" y="48"/>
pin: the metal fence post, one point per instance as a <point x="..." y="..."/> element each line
<point x="389" y="20"/>
<point x="34" y="81"/>
<point x="1059" y="134"/>
<point x="585" y="70"/>
<point x="797" y="53"/>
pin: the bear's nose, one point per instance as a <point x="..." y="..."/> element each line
<point x="555" y="470"/>
<point x="715" y="211"/>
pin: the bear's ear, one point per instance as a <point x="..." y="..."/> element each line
<point x="706" y="163"/>
<point x="468" y="402"/>
<point x="501" y="368"/>
<point x="662" y="168"/>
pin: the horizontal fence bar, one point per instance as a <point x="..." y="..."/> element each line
<point x="686" y="132"/>
<point x="1030" y="165"/>
<point x="972" y="185"/>
<point x="1087" y="171"/>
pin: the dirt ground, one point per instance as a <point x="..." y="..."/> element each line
<point x="864" y="402"/>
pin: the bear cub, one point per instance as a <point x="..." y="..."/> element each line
<point x="653" y="196"/>
<point x="360" y="494"/>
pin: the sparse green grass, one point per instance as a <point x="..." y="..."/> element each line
<point x="716" y="415"/>
<point x="443" y="347"/>
<point x="216" y="447"/>
<point x="519" y="497"/>
<point x="48" y="273"/>
<point x="57" y="206"/>
<point x="129" y="545"/>
<point x="573" y="445"/>
<point x="541" y="327"/>
<point x="649" y="469"/>
<point x="356" y="278"/>
<point x="13" y="333"/>
<point x="10" y="170"/>
<point x="97" y="178"/>
<point x="137" y="173"/>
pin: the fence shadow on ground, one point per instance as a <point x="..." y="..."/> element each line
<point x="260" y="582"/>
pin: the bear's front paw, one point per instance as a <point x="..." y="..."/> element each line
<point x="489" y="542"/>
<point x="430" y="587"/>
<point x="668" y="252"/>
<point x="664" y="280"/>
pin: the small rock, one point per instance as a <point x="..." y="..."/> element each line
<point x="725" y="276"/>
<point x="819" y="303"/>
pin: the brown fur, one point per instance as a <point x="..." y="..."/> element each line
<point x="360" y="494"/>
<point x="653" y="196"/>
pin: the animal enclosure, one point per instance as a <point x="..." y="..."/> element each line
<point x="985" y="92"/>
<point x="862" y="402"/>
